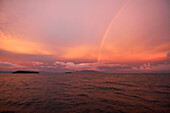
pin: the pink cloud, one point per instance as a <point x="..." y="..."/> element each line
<point x="112" y="67"/>
<point x="98" y="66"/>
<point x="9" y="66"/>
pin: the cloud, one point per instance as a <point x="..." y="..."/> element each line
<point x="114" y="67"/>
<point x="73" y="30"/>
<point x="9" y="66"/>
<point x="61" y="66"/>
<point x="59" y="63"/>
<point x="74" y="66"/>
<point x="145" y="66"/>
<point x="98" y="66"/>
<point x="168" y="54"/>
<point x="37" y="63"/>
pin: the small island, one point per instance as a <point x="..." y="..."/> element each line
<point x="88" y="71"/>
<point x="68" y="72"/>
<point x="25" y="72"/>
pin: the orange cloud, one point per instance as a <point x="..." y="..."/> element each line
<point x="22" y="46"/>
<point x="80" y="52"/>
<point x="115" y="52"/>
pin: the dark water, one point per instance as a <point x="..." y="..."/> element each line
<point x="84" y="93"/>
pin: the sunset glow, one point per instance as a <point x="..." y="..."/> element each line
<point x="93" y="33"/>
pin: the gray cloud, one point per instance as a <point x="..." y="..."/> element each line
<point x="112" y="67"/>
<point x="7" y="66"/>
<point x="98" y="66"/>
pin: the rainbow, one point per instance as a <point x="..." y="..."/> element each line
<point x="108" y="29"/>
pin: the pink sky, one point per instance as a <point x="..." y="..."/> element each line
<point x="70" y="35"/>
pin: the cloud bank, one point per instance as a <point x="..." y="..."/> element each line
<point x="6" y="66"/>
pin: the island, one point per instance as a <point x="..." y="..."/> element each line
<point x="25" y="72"/>
<point x="88" y="71"/>
<point x="68" y="72"/>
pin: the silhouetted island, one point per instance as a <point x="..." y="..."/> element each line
<point x="25" y="72"/>
<point x="88" y="71"/>
<point x="68" y="72"/>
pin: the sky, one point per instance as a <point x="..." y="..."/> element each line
<point x="73" y="35"/>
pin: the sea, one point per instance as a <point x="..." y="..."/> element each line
<point x="84" y="93"/>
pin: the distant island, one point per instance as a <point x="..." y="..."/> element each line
<point x="83" y="71"/>
<point x="29" y="72"/>
<point x="87" y="71"/>
<point x="68" y="72"/>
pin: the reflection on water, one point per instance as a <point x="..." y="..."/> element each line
<point x="84" y="93"/>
